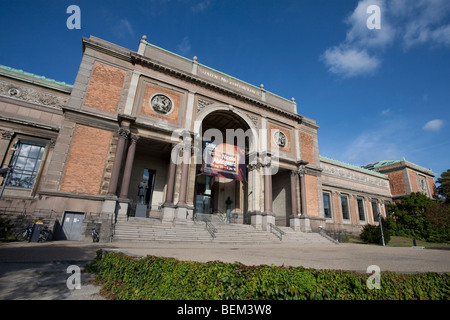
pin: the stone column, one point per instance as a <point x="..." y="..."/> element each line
<point x="123" y="197"/>
<point x="303" y="193"/>
<point x="294" y="219"/>
<point x="170" y="182"/>
<point x="128" y="168"/>
<point x="305" y="225"/>
<point x="184" y="175"/>
<point x="4" y="144"/>
<point x="168" y="208"/>
<point x="123" y="136"/>
<point x="268" y="216"/>
<point x="182" y="211"/>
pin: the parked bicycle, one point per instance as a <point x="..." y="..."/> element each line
<point x="94" y="234"/>
<point x="44" y="235"/>
<point x="24" y="234"/>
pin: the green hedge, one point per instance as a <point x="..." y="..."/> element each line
<point x="130" y="278"/>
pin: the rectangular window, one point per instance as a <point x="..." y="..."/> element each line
<point x="25" y="162"/>
<point x="362" y="215"/>
<point x="375" y="211"/>
<point x="345" y="210"/>
<point x="326" y="205"/>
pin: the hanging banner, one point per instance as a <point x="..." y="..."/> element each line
<point x="223" y="160"/>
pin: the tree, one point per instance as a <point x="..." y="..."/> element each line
<point x="443" y="189"/>
<point x="419" y="217"/>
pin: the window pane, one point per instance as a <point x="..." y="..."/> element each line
<point x="24" y="150"/>
<point x="362" y="216"/>
<point x="345" y="212"/>
<point x="26" y="161"/>
<point x="326" y="205"/>
<point x="20" y="164"/>
<point x="29" y="166"/>
<point x="375" y="210"/>
<point x="34" y="152"/>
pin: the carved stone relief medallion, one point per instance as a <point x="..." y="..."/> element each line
<point x="280" y="139"/>
<point x="161" y="104"/>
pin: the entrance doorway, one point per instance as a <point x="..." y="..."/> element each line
<point x="71" y="226"/>
<point x="204" y="195"/>
<point x="212" y="192"/>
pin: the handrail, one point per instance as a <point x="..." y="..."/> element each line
<point x="326" y="234"/>
<point x="210" y="228"/>
<point x="280" y="232"/>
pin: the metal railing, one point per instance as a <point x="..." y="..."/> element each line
<point x="210" y="228"/>
<point x="328" y="235"/>
<point x="276" y="231"/>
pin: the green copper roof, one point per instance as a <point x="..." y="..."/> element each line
<point x="351" y="166"/>
<point x="34" y="76"/>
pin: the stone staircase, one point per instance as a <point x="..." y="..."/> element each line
<point x="142" y="229"/>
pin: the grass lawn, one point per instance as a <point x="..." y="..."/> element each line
<point x="397" y="241"/>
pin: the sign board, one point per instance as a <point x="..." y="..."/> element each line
<point x="223" y="160"/>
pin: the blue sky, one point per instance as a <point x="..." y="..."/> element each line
<point x="377" y="94"/>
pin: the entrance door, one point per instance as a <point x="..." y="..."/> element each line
<point x="72" y="225"/>
<point x="203" y="199"/>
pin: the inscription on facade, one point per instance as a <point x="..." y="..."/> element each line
<point x="354" y="176"/>
<point x="229" y="81"/>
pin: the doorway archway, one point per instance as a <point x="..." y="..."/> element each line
<point x="228" y="126"/>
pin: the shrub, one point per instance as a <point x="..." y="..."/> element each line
<point x="132" y="278"/>
<point x="372" y="234"/>
<point x="5" y="228"/>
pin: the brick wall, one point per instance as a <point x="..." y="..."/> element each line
<point x="86" y="160"/>
<point x="312" y="201"/>
<point x="397" y="183"/>
<point x="307" y="147"/>
<point x="105" y="88"/>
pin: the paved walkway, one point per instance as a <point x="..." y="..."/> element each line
<point x="39" y="270"/>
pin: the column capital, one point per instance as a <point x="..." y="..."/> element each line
<point x="124" y="133"/>
<point x="134" y="138"/>
<point x="7" y="134"/>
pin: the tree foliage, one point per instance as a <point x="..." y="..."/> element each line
<point x="419" y="217"/>
<point x="443" y="189"/>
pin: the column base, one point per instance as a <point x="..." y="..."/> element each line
<point x="267" y="218"/>
<point x="294" y="222"/>
<point x="122" y="211"/>
<point x="305" y="224"/>
<point x="109" y="208"/>
<point x="168" y="213"/>
<point x="256" y="220"/>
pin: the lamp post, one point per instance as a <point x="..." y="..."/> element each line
<point x="380" y="217"/>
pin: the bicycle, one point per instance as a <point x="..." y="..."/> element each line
<point x="44" y="235"/>
<point x="94" y="234"/>
<point x="24" y="234"/>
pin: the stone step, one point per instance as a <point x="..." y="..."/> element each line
<point x="153" y="230"/>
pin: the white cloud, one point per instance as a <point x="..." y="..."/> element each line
<point x="360" y="35"/>
<point x="409" y="23"/>
<point x="433" y="125"/>
<point x="200" y="6"/>
<point x="184" y="46"/>
<point x="349" y="62"/>
<point x="123" y="29"/>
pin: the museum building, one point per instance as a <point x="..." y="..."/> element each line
<point x="152" y="134"/>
